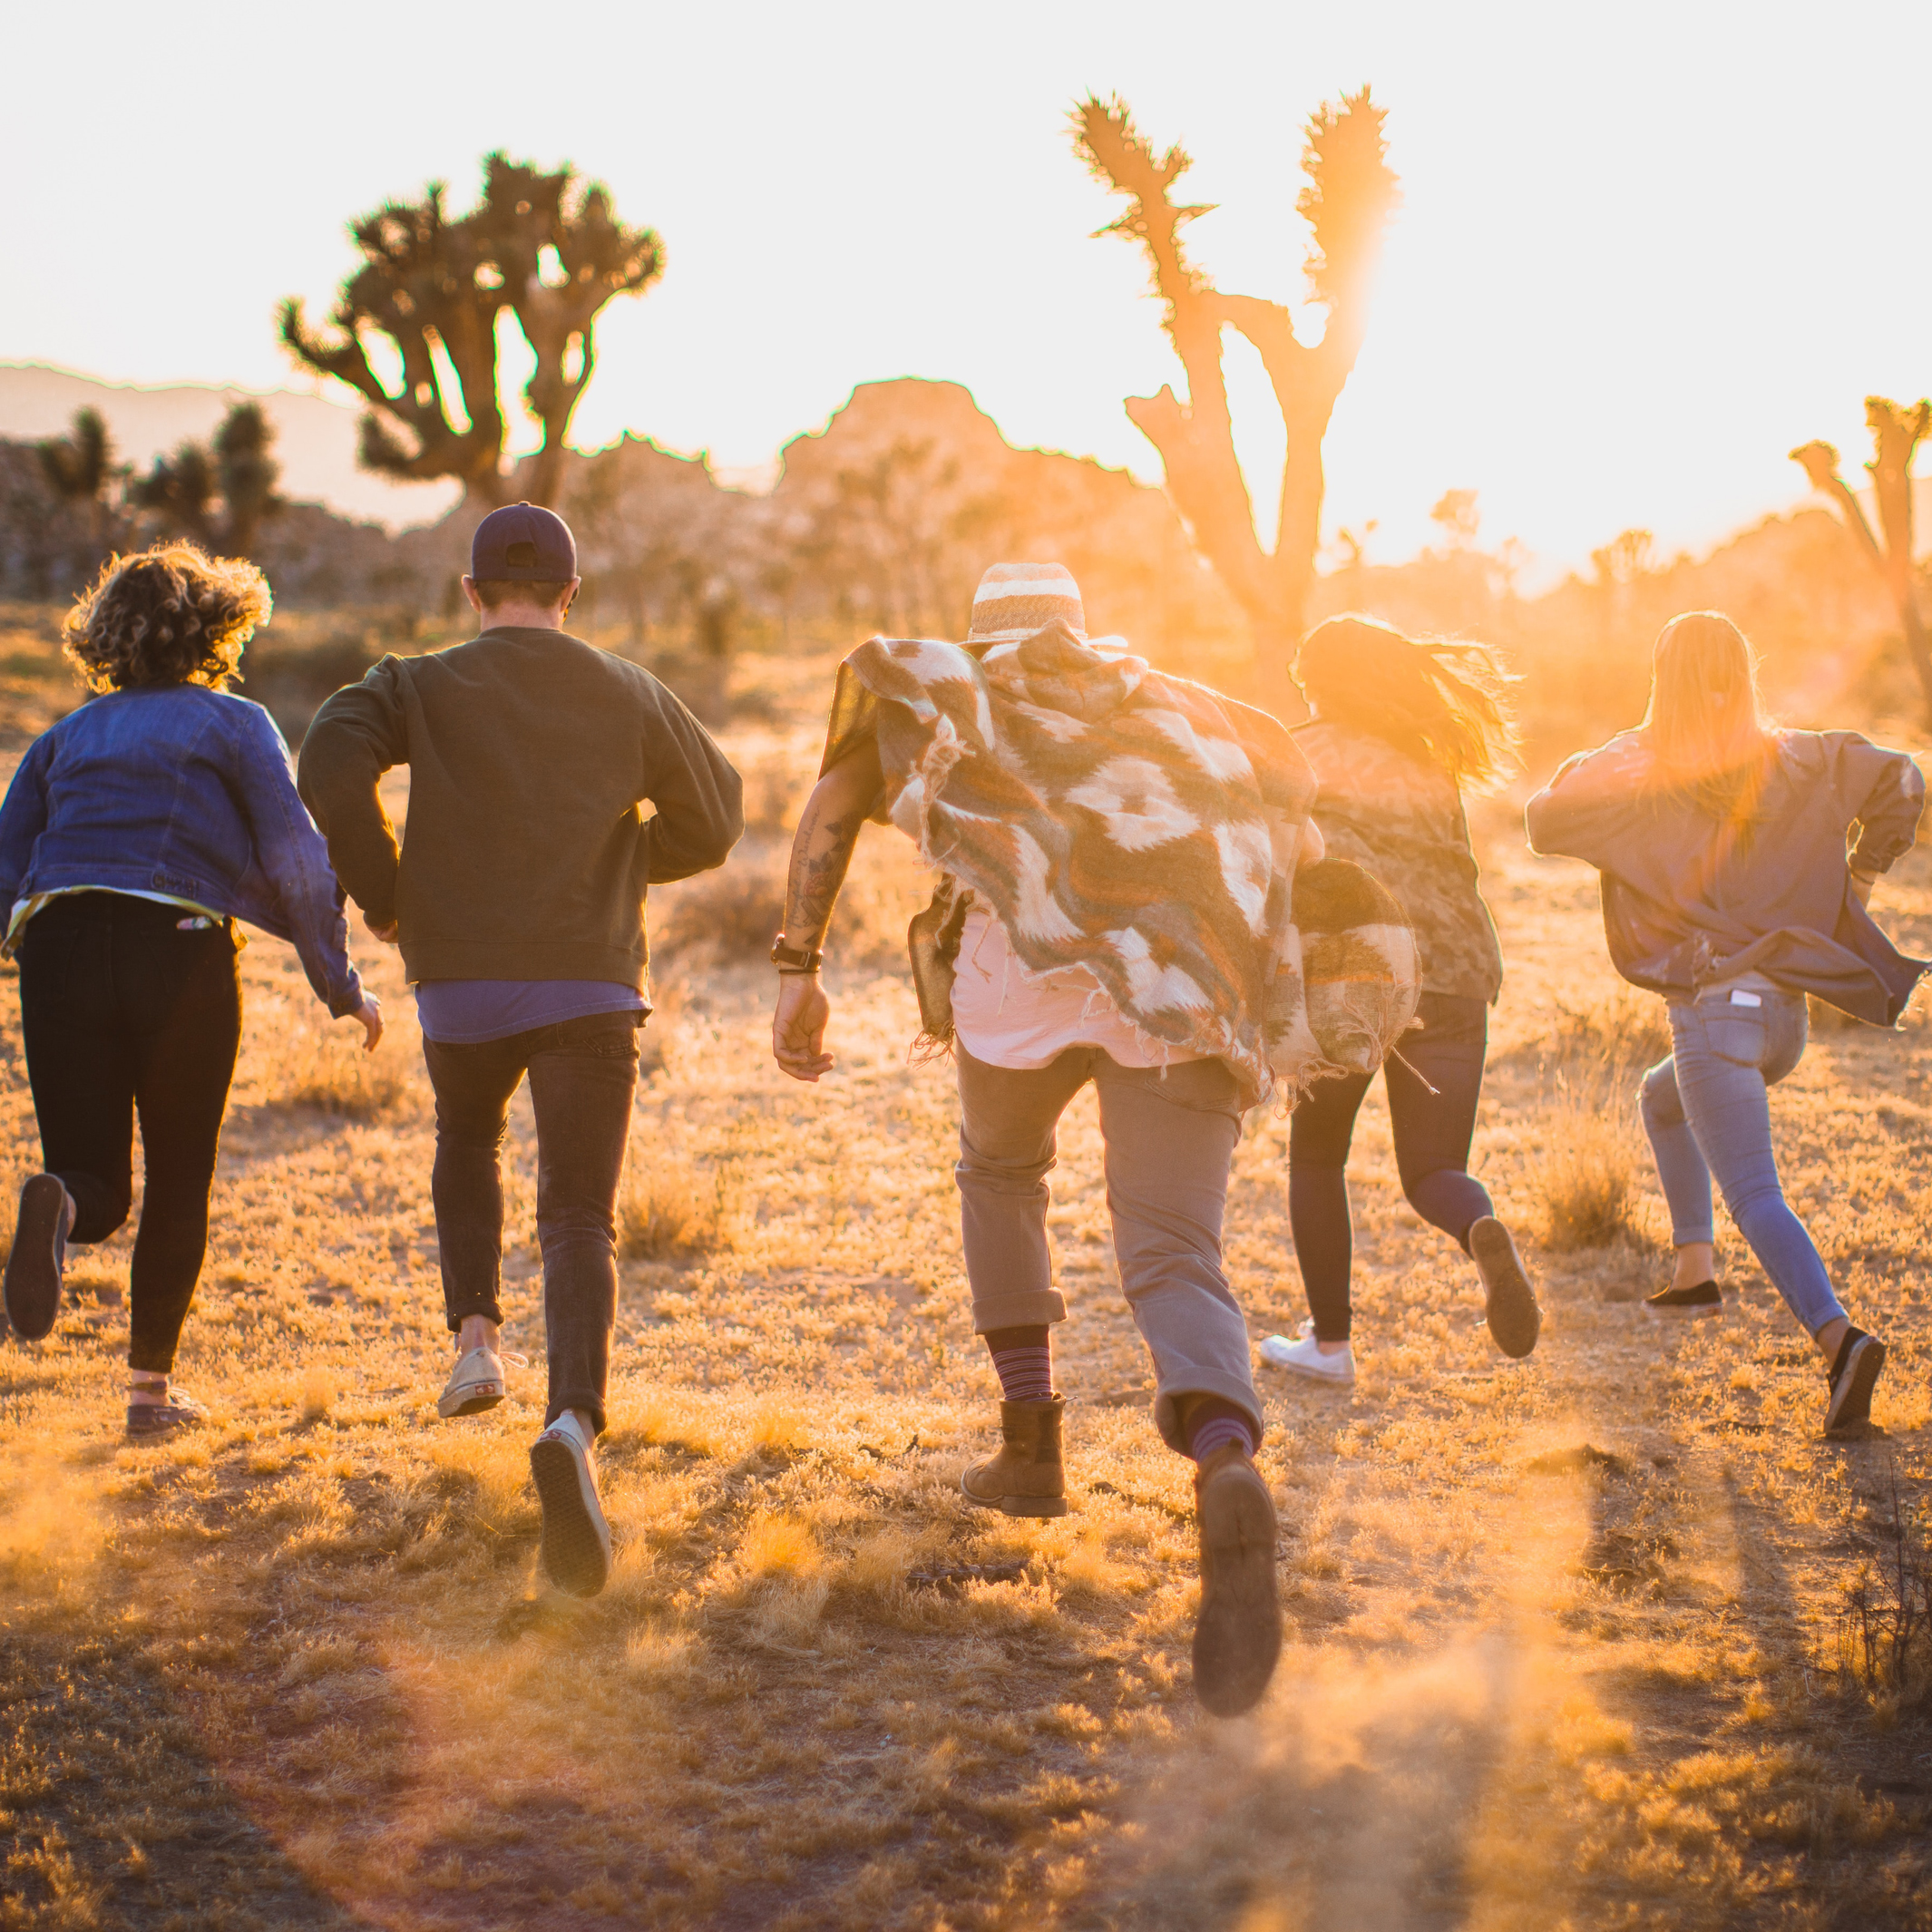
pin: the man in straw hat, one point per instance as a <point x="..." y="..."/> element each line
<point x="1117" y="851"/>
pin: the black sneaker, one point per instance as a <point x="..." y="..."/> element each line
<point x="33" y="1265"/>
<point x="1851" y="1379"/>
<point x="1701" y="1300"/>
<point x="1515" y="1319"/>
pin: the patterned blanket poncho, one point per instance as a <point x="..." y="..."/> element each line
<point x="1139" y="826"/>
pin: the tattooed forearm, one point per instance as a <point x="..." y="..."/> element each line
<point x="821" y="857"/>
<point x="828" y="833"/>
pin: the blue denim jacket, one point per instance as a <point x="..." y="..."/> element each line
<point x="185" y="791"/>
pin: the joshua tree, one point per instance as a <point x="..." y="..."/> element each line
<point x="80" y="465"/>
<point x="246" y="475"/>
<point x="1628" y="555"/>
<point x="543" y="246"/>
<point x="1896" y="433"/>
<point x="1350" y="194"/>
<point x="80" y="469"/>
<point x="236" y="470"/>
<point x="179" y="489"/>
<point x="1457" y="516"/>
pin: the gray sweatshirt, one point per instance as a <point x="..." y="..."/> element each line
<point x="1689" y="900"/>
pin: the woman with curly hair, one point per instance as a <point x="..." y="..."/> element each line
<point x="1402" y="727"/>
<point x="134" y="835"/>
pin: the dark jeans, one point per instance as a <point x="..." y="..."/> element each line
<point x="583" y="1074"/>
<point x="122" y="1010"/>
<point x="1432" y="1133"/>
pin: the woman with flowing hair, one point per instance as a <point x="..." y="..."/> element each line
<point x="1402" y="727"/>
<point x="135" y="833"/>
<point x="1722" y="841"/>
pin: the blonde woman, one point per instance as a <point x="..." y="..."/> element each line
<point x="1402" y="727"/>
<point x="1722" y="842"/>
<point x="134" y="835"/>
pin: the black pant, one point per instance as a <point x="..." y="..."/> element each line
<point x="1432" y="1133"/>
<point x="583" y="1074"/>
<point x="123" y="1010"/>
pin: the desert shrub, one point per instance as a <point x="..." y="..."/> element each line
<point x="732" y="914"/>
<point x="1885" y="1616"/>
<point x="668" y="1209"/>
<point x="1618" y="1031"/>
<point x="339" y="1077"/>
<point x="775" y="792"/>
<point x="1586" y="1174"/>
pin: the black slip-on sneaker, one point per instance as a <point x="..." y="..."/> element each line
<point x="1851" y="1379"/>
<point x="32" y="1285"/>
<point x="1701" y="1300"/>
<point x="1515" y="1319"/>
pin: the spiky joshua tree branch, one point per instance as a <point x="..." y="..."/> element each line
<point x="539" y="244"/>
<point x="1351" y="195"/>
<point x="1897" y="431"/>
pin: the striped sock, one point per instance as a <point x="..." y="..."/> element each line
<point x="1214" y="1424"/>
<point x="1023" y="1361"/>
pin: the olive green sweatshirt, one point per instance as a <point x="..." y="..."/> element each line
<point x="526" y="853"/>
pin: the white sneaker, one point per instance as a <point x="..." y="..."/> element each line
<point x="576" y="1537"/>
<point x="476" y="1383"/>
<point x="1306" y="1358"/>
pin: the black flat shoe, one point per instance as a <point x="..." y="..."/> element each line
<point x="1851" y="1378"/>
<point x="32" y="1285"/>
<point x="1701" y="1300"/>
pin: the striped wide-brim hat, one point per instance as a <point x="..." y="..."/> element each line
<point x="1015" y="599"/>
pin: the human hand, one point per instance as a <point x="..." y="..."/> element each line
<point x="385" y="933"/>
<point x="370" y="1013"/>
<point x="798" y="1025"/>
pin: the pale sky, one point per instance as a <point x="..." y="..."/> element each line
<point x="1645" y="248"/>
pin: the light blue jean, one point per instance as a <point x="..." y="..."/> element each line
<point x="1707" y="1110"/>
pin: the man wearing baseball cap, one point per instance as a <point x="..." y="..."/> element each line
<point x="517" y="897"/>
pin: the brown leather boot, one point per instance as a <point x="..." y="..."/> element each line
<point x="1238" y="1634"/>
<point x="1025" y="1478"/>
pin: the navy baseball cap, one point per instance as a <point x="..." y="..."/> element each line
<point x="521" y="543"/>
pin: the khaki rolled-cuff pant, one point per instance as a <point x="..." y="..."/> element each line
<point x="1170" y="1136"/>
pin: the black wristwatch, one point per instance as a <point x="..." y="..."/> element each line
<point x="795" y="959"/>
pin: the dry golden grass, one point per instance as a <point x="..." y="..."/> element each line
<point x="1563" y="1635"/>
<point x="668" y="1208"/>
<point x="1586" y="1174"/>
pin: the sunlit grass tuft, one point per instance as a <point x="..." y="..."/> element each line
<point x="669" y="1210"/>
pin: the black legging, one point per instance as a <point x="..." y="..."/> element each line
<point x="121" y="1008"/>
<point x="1432" y="1133"/>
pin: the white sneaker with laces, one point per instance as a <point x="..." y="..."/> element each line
<point x="576" y="1537"/>
<point x="476" y="1383"/>
<point x="1304" y="1357"/>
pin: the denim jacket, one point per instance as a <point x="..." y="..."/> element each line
<point x="185" y="791"/>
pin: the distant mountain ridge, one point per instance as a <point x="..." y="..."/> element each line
<point x="315" y="437"/>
